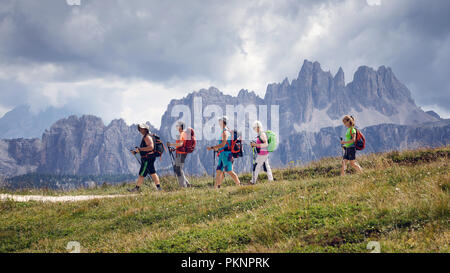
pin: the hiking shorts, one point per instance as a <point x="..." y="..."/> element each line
<point x="225" y="162"/>
<point x="147" y="166"/>
<point x="350" y="153"/>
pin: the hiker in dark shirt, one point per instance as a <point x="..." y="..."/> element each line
<point x="147" y="158"/>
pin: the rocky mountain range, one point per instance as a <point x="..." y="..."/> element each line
<point x="310" y="112"/>
<point x="316" y="99"/>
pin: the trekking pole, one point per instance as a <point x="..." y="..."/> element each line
<point x="135" y="156"/>
<point x="214" y="168"/>
<point x="140" y="163"/>
<point x="253" y="163"/>
<point x="342" y="150"/>
<point x="172" y="157"/>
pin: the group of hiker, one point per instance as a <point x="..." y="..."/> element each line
<point x="227" y="149"/>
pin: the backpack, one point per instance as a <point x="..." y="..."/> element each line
<point x="236" y="145"/>
<point x="158" y="148"/>
<point x="271" y="141"/>
<point x="189" y="144"/>
<point x="360" y="142"/>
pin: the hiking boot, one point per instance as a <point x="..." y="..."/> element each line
<point x="135" y="189"/>
<point x="158" y="187"/>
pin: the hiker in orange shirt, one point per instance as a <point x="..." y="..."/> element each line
<point x="180" y="155"/>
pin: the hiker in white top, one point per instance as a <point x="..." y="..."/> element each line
<point x="262" y="158"/>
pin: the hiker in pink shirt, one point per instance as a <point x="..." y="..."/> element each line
<point x="262" y="158"/>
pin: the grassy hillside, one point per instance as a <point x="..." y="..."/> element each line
<point x="401" y="201"/>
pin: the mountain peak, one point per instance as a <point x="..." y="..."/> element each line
<point x="339" y="78"/>
<point x="307" y="67"/>
<point x="211" y="91"/>
<point x="310" y="68"/>
<point x="244" y="93"/>
<point x="384" y="69"/>
<point x="434" y="114"/>
<point x="316" y="66"/>
<point x="363" y="70"/>
<point x="73" y="119"/>
<point x="117" y="123"/>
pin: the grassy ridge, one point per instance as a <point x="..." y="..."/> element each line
<point x="401" y="201"/>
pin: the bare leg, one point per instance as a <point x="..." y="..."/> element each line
<point x="344" y="167"/>
<point x="355" y="165"/>
<point x="235" y="178"/>
<point x="155" y="178"/>
<point x="219" y="178"/>
<point x="140" y="180"/>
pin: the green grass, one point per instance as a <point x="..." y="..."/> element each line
<point x="401" y="201"/>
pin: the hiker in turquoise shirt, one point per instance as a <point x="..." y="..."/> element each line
<point x="225" y="156"/>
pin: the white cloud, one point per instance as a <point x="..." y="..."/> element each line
<point x="374" y="2"/>
<point x="83" y="34"/>
<point x="4" y="110"/>
<point x="107" y="59"/>
<point x="444" y="113"/>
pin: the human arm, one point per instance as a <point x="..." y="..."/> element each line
<point x="263" y="138"/>
<point x="150" y="146"/>
<point x="222" y="144"/>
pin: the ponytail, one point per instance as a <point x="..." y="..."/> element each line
<point x="351" y="119"/>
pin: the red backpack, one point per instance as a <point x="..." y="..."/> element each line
<point x="189" y="144"/>
<point x="236" y="145"/>
<point x="360" y="142"/>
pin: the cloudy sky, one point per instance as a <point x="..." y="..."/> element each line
<point x="129" y="58"/>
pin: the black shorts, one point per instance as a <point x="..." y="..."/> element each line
<point x="147" y="166"/>
<point x="350" y="153"/>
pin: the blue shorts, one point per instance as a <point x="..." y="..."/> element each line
<point x="225" y="162"/>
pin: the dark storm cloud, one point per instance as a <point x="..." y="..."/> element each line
<point x="423" y="61"/>
<point x="151" y="39"/>
<point x="412" y="37"/>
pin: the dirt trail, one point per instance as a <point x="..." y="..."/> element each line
<point x="56" y="199"/>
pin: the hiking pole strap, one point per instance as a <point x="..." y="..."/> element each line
<point x="135" y="156"/>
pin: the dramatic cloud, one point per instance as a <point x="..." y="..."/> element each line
<point x="129" y="58"/>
